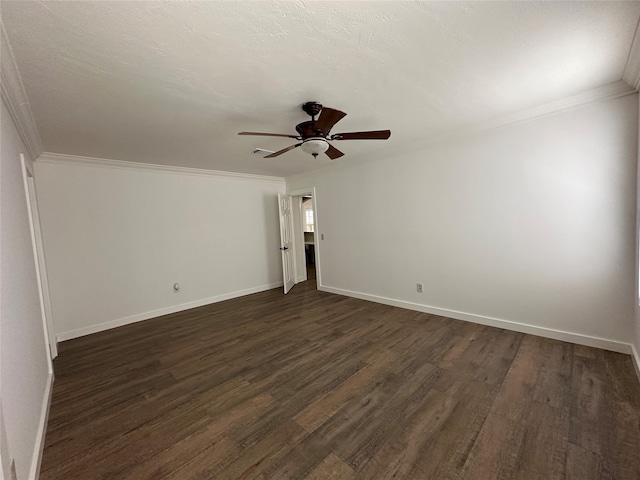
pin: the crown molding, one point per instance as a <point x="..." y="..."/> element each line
<point x="61" y="159"/>
<point x="600" y="94"/>
<point x="15" y="98"/>
<point x="632" y="69"/>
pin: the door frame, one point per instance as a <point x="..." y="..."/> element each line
<point x="311" y="191"/>
<point x="39" y="258"/>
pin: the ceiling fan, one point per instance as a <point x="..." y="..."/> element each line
<point x="315" y="133"/>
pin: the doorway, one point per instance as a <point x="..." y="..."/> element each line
<point x="307" y="220"/>
<point x="306" y="236"/>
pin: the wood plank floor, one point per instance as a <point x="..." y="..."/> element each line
<point x="319" y="386"/>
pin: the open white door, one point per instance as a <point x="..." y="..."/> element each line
<point x="286" y="241"/>
<point x="38" y="253"/>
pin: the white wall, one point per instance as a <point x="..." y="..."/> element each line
<point x="531" y="223"/>
<point x="24" y="367"/>
<point x="117" y="239"/>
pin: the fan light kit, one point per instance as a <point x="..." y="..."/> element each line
<point x="315" y="146"/>
<point x="315" y="133"/>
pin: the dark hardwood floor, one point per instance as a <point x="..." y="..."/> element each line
<point x="319" y="386"/>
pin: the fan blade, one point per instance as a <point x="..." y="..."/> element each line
<point x="376" y="135"/>
<point x="333" y="152"/>
<point x="269" y="134"/>
<point x="284" y="150"/>
<point x="328" y="118"/>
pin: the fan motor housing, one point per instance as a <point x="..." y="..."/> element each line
<point x="307" y="130"/>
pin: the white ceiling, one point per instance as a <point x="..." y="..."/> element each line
<point x="173" y="83"/>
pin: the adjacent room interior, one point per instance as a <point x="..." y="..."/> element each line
<point x="316" y="240"/>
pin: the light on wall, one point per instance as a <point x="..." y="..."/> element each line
<point x="315" y="146"/>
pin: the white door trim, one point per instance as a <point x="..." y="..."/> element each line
<point x="298" y="240"/>
<point x="38" y="254"/>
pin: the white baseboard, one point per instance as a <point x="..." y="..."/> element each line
<point x="36" y="461"/>
<point x="635" y="355"/>
<point x="80" y="332"/>
<point x="577" y="338"/>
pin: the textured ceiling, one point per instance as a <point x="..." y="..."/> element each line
<point x="173" y="82"/>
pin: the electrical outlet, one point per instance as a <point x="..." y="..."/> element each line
<point x="176" y="287"/>
<point x="419" y="287"/>
<point x="14" y="475"/>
